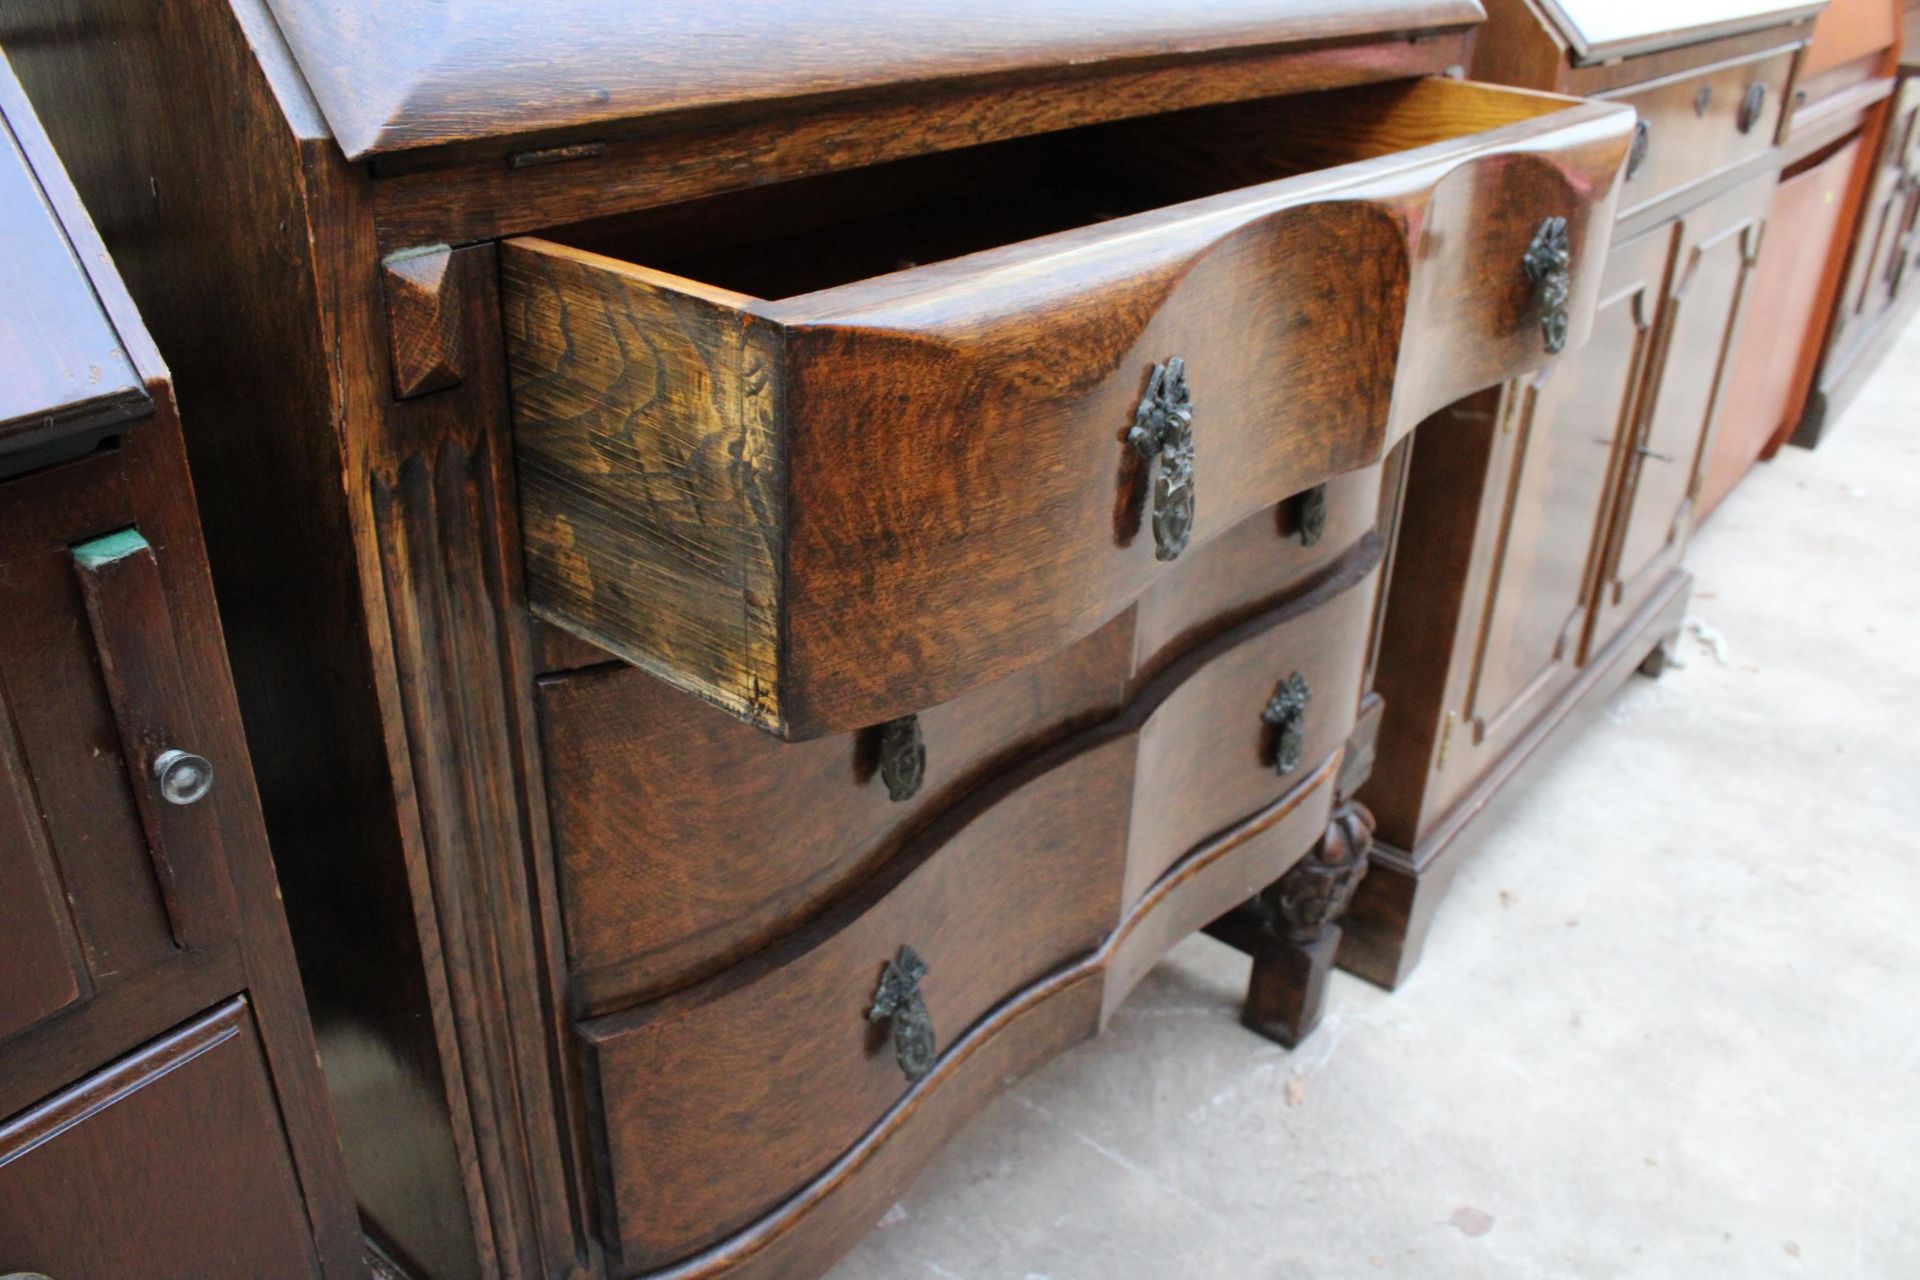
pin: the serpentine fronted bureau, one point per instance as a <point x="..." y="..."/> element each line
<point x="780" y="555"/>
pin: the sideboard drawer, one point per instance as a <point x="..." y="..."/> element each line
<point x="715" y="1104"/>
<point x="684" y="838"/>
<point x="784" y="467"/>
<point x="1697" y="125"/>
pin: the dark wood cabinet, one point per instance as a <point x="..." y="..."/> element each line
<point x="812" y="560"/>
<point x="1545" y="520"/>
<point x="161" y="1111"/>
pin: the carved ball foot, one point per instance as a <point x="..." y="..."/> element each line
<point x="1293" y="953"/>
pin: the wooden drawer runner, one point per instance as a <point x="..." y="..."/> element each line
<point x="1696" y="126"/>
<point x="168" y="1165"/>
<point x="685" y="838"/>
<point x="716" y="1104"/>
<point x="824" y="487"/>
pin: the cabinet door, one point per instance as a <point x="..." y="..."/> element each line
<point x="1718" y="245"/>
<point x="1879" y="266"/>
<point x="166" y="1165"/>
<point x="1793" y="287"/>
<point x="108" y="881"/>
<point x="1561" y="438"/>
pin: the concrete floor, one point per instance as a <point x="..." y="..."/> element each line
<point x="1668" y="1024"/>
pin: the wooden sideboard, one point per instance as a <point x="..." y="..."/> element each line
<point x="1835" y="136"/>
<point x="1541" y="539"/>
<point x="771" y="579"/>
<point x="1877" y="292"/>
<point x="161" y="1111"/>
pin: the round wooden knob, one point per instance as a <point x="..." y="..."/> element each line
<point x="184" y="778"/>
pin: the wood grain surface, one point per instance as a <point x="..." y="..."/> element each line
<point x="397" y="76"/>
<point x="958" y="501"/>
<point x="685" y="838"/>
<point x="167" y="1163"/>
<point x="715" y="1103"/>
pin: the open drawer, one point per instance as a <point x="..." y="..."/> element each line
<point x="830" y="452"/>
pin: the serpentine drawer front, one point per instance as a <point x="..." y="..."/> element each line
<point x="766" y="457"/>
<point x="665" y="810"/>
<point x="718" y="1103"/>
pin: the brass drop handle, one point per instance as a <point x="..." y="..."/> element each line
<point x="903" y="757"/>
<point x="1287" y="713"/>
<point x="184" y="779"/>
<point x="1549" y="265"/>
<point x="898" y="1002"/>
<point x="1163" y="430"/>
<point x="1637" y="154"/>
<point x="1752" y="103"/>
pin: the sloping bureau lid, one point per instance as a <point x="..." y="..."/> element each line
<point x="396" y="75"/>
<point x="1600" y="29"/>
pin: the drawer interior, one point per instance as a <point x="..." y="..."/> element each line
<point x="787" y="239"/>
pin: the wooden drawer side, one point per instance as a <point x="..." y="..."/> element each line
<point x="651" y="469"/>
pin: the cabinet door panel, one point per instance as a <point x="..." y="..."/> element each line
<point x="108" y="881"/>
<point x="1794" y="288"/>
<point x="1568" y="425"/>
<point x="167" y="1165"/>
<point x="1550" y="473"/>
<point x="39" y="950"/>
<point x="1719" y="244"/>
<point x="1876" y="268"/>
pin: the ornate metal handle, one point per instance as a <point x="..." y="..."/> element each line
<point x="1752" y="103"/>
<point x="1310" y="515"/>
<point x="898" y="1001"/>
<point x="1287" y="713"/>
<point x="1549" y="264"/>
<point x="184" y="778"/>
<point x="903" y="757"/>
<point x="1163" y="428"/>
<point x="1637" y="154"/>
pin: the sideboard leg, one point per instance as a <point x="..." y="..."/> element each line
<point x="1655" y="664"/>
<point x="1293" y="952"/>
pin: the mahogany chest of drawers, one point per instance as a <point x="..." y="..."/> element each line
<point x="161" y="1112"/>
<point x="813" y="541"/>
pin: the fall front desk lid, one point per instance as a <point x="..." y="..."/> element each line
<point x="403" y="75"/>
<point x="1600" y="29"/>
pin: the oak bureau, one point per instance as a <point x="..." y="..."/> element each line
<point x="161" y="1112"/>
<point x="779" y="555"/>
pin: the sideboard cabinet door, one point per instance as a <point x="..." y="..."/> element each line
<point x="1706" y="294"/>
